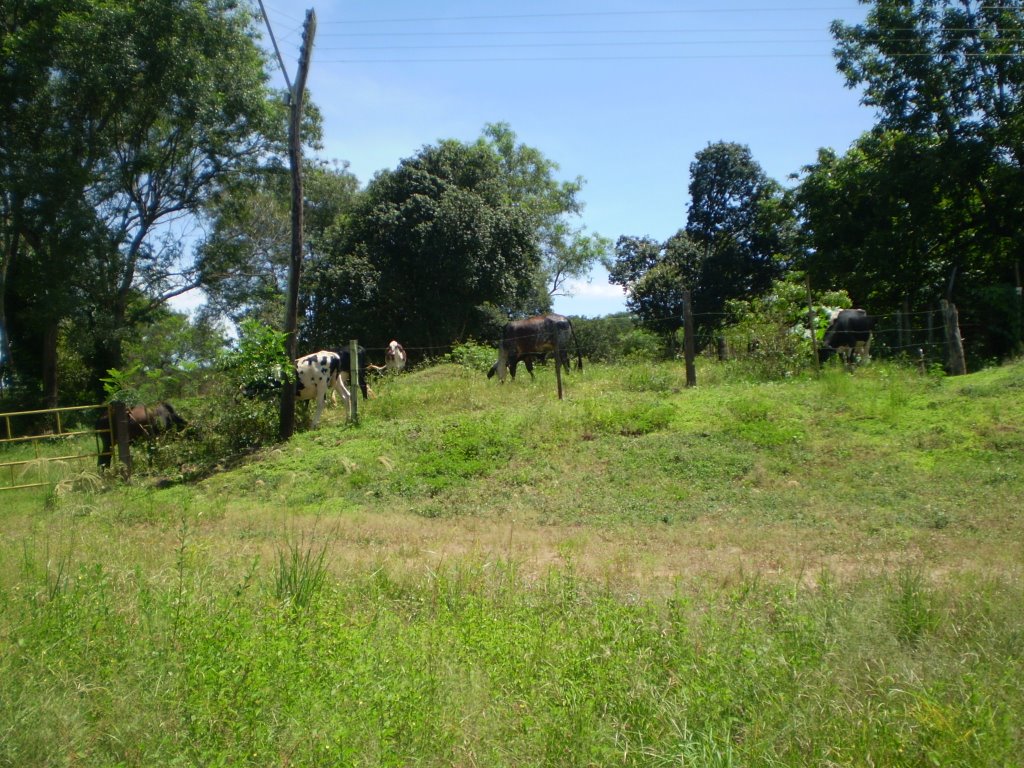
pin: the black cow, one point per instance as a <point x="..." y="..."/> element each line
<point x="346" y="367"/>
<point x="849" y="331"/>
<point x="143" y="421"/>
<point x="534" y="337"/>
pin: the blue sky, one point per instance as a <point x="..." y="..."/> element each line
<point x="621" y="94"/>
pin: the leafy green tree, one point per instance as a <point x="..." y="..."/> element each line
<point x="870" y="218"/>
<point x="740" y="226"/>
<point x="567" y="251"/>
<point x="243" y="262"/>
<point x="446" y="238"/>
<point x="447" y="246"/>
<point x="740" y="235"/>
<point x="946" y="80"/>
<point x="655" y="277"/>
<point x="103" y="154"/>
<point x="771" y="332"/>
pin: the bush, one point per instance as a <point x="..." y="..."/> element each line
<point x="473" y="355"/>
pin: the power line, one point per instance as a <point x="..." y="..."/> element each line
<point x="653" y="57"/>
<point x="503" y="46"/>
<point x="594" y="14"/>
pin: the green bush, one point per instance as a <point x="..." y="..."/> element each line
<point x="473" y="355"/>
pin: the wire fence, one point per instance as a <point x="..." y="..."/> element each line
<point x="916" y="334"/>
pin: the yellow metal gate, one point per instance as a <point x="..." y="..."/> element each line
<point x="16" y="470"/>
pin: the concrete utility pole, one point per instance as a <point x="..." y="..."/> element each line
<point x="296" y="95"/>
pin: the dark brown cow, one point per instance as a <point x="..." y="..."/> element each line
<point x="534" y="337"/>
<point x="143" y="421"/>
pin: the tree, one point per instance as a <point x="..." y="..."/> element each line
<point x="105" y="153"/>
<point x="447" y="246"/>
<point x="739" y="236"/>
<point x="655" y="277"/>
<point x="243" y="261"/>
<point x="740" y="223"/>
<point x="870" y="219"/>
<point x="567" y="251"/>
<point x="947" y="80"/>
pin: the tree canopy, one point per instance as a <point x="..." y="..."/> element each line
<point x="102" y="154"/>
<point x="739" y="237"/>
<point x="446" y="246"/>
<point x="925" y="206"/>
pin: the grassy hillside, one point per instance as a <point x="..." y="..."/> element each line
<point x="825" y="570"/>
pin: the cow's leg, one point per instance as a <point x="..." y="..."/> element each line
<point x="502" y="363"/>
<point x="321" y="396"/>
<point x="339" y="386"/>
<point x="528" y="362"/>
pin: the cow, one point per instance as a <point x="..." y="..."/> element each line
<point x="848" y="332"/>
<point x="533" y="337"/>
<point x="318" y="373"/>
<point x="395" y="357"/>
<point x="143" y="421"/>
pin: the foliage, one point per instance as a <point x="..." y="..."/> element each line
<point x="258" y="356"/>
<point x="741" y="230"/>
<point x="243" y="262"/>
<point x="615" y="339"/>
<point x="239" y="409"/>
<point x="921" y="207"/>
<point x="567" y="251"/>
<point x="470" y="354"/>
<point x="637" y="575"/>
<point x="432" y="247"/>
<point x="771" y="332"/>
<point x="105" y="156"/>
<point x="739" y="236"/>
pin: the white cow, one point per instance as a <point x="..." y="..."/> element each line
<point x="317" y="373"/>
<point x="394" y="357"/>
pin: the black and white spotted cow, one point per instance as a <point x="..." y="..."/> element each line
<point x="848" y="333"/>
<point x="318" y="373"/>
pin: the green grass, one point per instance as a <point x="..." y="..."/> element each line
<point x="823" y="571"/>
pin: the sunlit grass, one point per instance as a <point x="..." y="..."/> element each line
<point x="818" y="571"/>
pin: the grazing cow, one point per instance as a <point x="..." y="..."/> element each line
<point x="533" y="337"/>
<point x="143" y="421"/>
<point x="394" y="357"/>
<point x="848" y="332"/>
<point x="317" y="373"/>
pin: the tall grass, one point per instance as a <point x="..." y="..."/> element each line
<point x="820" y="572"/>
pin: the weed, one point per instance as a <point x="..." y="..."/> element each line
<point x="301" y="573"/>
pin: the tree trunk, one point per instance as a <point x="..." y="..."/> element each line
<point x="291" y="323"/>
<point x="50" y="388"/>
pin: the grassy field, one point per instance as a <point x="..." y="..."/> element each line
<point x="822" y="571"/>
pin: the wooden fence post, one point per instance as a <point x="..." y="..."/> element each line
<point x="353" y="380"/>
<point x="812" y="325"/>
<point x="558" y="364"/>
<point x="688" y="341"/>
<point x="120" y="426"/>
<point x="955" y="363"/>
<point x="723" y="349"/>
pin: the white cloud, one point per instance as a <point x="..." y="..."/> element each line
<point x="188" y="302"/>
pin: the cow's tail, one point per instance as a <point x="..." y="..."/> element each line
<point x="579" y="357"/>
